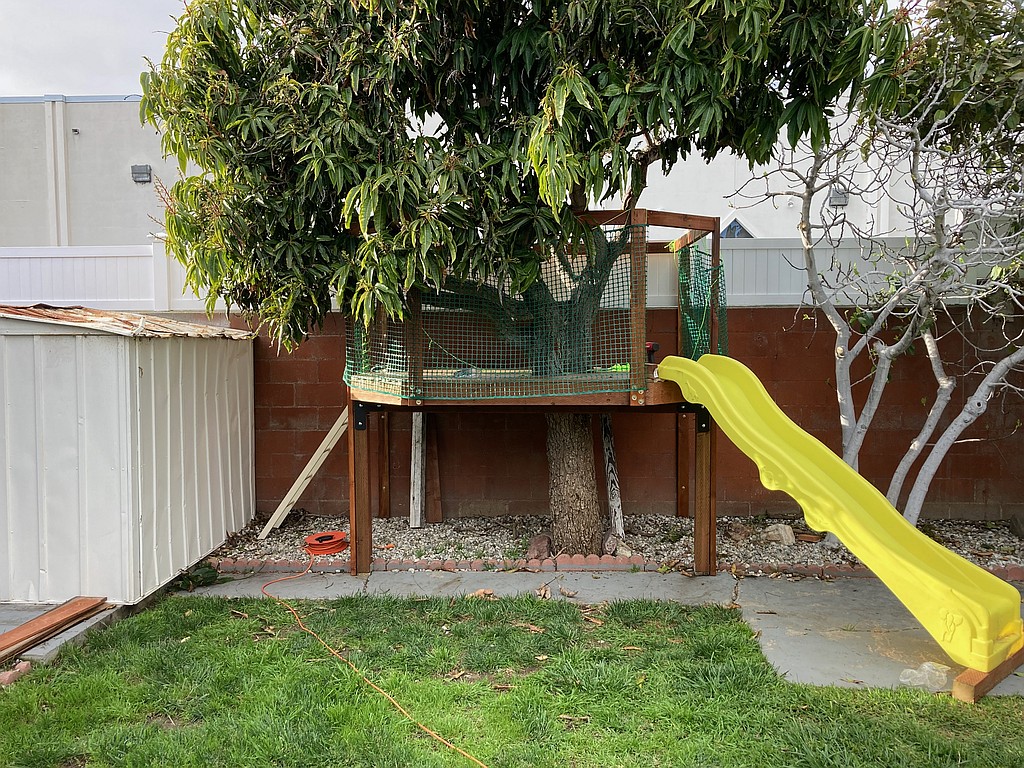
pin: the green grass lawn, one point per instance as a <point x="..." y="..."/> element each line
<point x="516" y="682"/>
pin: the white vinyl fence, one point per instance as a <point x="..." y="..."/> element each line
<point x="759" y="272"/>
<point x="128" y="277"/>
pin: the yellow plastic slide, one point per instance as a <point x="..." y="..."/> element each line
<point x="972" y="614"/>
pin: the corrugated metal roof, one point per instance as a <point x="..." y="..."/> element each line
<point x="120" y="323"/>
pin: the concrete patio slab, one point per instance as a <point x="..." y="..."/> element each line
<point x="310" y="586"/>
<point x="13" y="615"/>
<point x="847" y="632"/>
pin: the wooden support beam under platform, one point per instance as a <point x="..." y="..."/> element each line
<point x="970" y="685"/>
<point x="659" y="399"/>
<point x="705" y="512"/>
<point x="360" y="521"/>
<point x="658" y="392"/>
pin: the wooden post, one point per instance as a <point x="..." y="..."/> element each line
<point x="683" y="484"/>
<point x="637" y="306"/>
<point x="716" y="275"/>
<point x="432" y="471"/>
<point x="384" y="465"/>
<point x="611" y="477"/>
<point x="705" y="557"/>
<point x="359" y="519"/>
<point x="417" y="481"/>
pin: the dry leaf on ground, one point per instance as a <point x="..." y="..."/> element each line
<point x="531" y="627"/>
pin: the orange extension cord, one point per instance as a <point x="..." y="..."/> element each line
<point x="330" y="543"/>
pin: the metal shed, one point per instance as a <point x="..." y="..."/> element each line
<point x="127" y="449"/>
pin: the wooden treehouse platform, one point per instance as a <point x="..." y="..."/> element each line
<point x="629" y="386"/>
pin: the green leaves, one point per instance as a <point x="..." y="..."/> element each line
<point x="964" y="68"/>
<point x="360" y="149"/>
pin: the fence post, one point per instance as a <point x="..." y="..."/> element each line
<point x="161" y="276"/>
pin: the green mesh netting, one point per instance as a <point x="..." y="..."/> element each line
<point x="701" y="295"/>
<point x="567" y="334"/>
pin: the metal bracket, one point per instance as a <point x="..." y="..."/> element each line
<point x="703" y="419"/>
<point x="361" y="413"/>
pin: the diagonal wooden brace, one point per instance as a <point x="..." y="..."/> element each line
<point x="307" y="474"/>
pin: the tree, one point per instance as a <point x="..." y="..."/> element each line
<point x="943" y="149"/>
<point x="361" y="149"/>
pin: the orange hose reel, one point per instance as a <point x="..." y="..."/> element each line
<point x="326" y="543"/>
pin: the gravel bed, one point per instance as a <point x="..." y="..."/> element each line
<point x="657" y="538"/>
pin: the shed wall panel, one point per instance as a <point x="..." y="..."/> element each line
<point x="105" y="461"/>
<point x="196" y="471"/>
<point x="21" y="453"/>
<point x="122" y="460"/>
<point x="64" y="497"/>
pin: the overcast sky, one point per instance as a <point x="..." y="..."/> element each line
<point x="80" y="47"/>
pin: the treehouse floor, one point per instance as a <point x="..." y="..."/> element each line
<point x="499" y="388"/>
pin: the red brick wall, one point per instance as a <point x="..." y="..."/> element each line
<point x="495" y="463"/>
<point x="299" y="396"/>
<point x="791" y="351"/>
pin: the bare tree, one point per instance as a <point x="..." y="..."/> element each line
<point x="946" y="162"/>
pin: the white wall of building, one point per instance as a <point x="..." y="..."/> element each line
<point x="711" y="189"/>
<point x="76" y="229"/>
<point x="65" y="172"/>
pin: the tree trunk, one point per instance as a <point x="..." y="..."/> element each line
<point x="576" y="521"/>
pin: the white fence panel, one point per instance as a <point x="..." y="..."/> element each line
<point x="759" y="272"/>
<point x="127" y="277"/>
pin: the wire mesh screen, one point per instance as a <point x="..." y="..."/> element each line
<point x="701" y="297"/>
<point x="569" y="333"/>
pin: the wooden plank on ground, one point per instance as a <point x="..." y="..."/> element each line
<point x="432" y="471"/>
<point x="52" y="622"/>
<point x="302" y="481"/>
<point x="970" y="685"/>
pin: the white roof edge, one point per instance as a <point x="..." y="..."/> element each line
<point x="131" y="97"/>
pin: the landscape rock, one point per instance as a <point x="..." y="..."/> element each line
<point x="737" y="531"/>
<point x="782" y="533"/>
<point x="610" y="543"/>
<point x="656" y="538"/>
<point x="539" y="547"/>
<point x="19" y="670"/>
<point x="1017" y="525"/>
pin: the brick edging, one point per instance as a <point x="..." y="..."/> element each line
<point x="566" y="563"/>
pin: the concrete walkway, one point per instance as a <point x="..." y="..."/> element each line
<point x="846" y="632"/>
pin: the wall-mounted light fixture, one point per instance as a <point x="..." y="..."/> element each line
<point x="142" y="174"/>
<point x="838" y="195"/>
